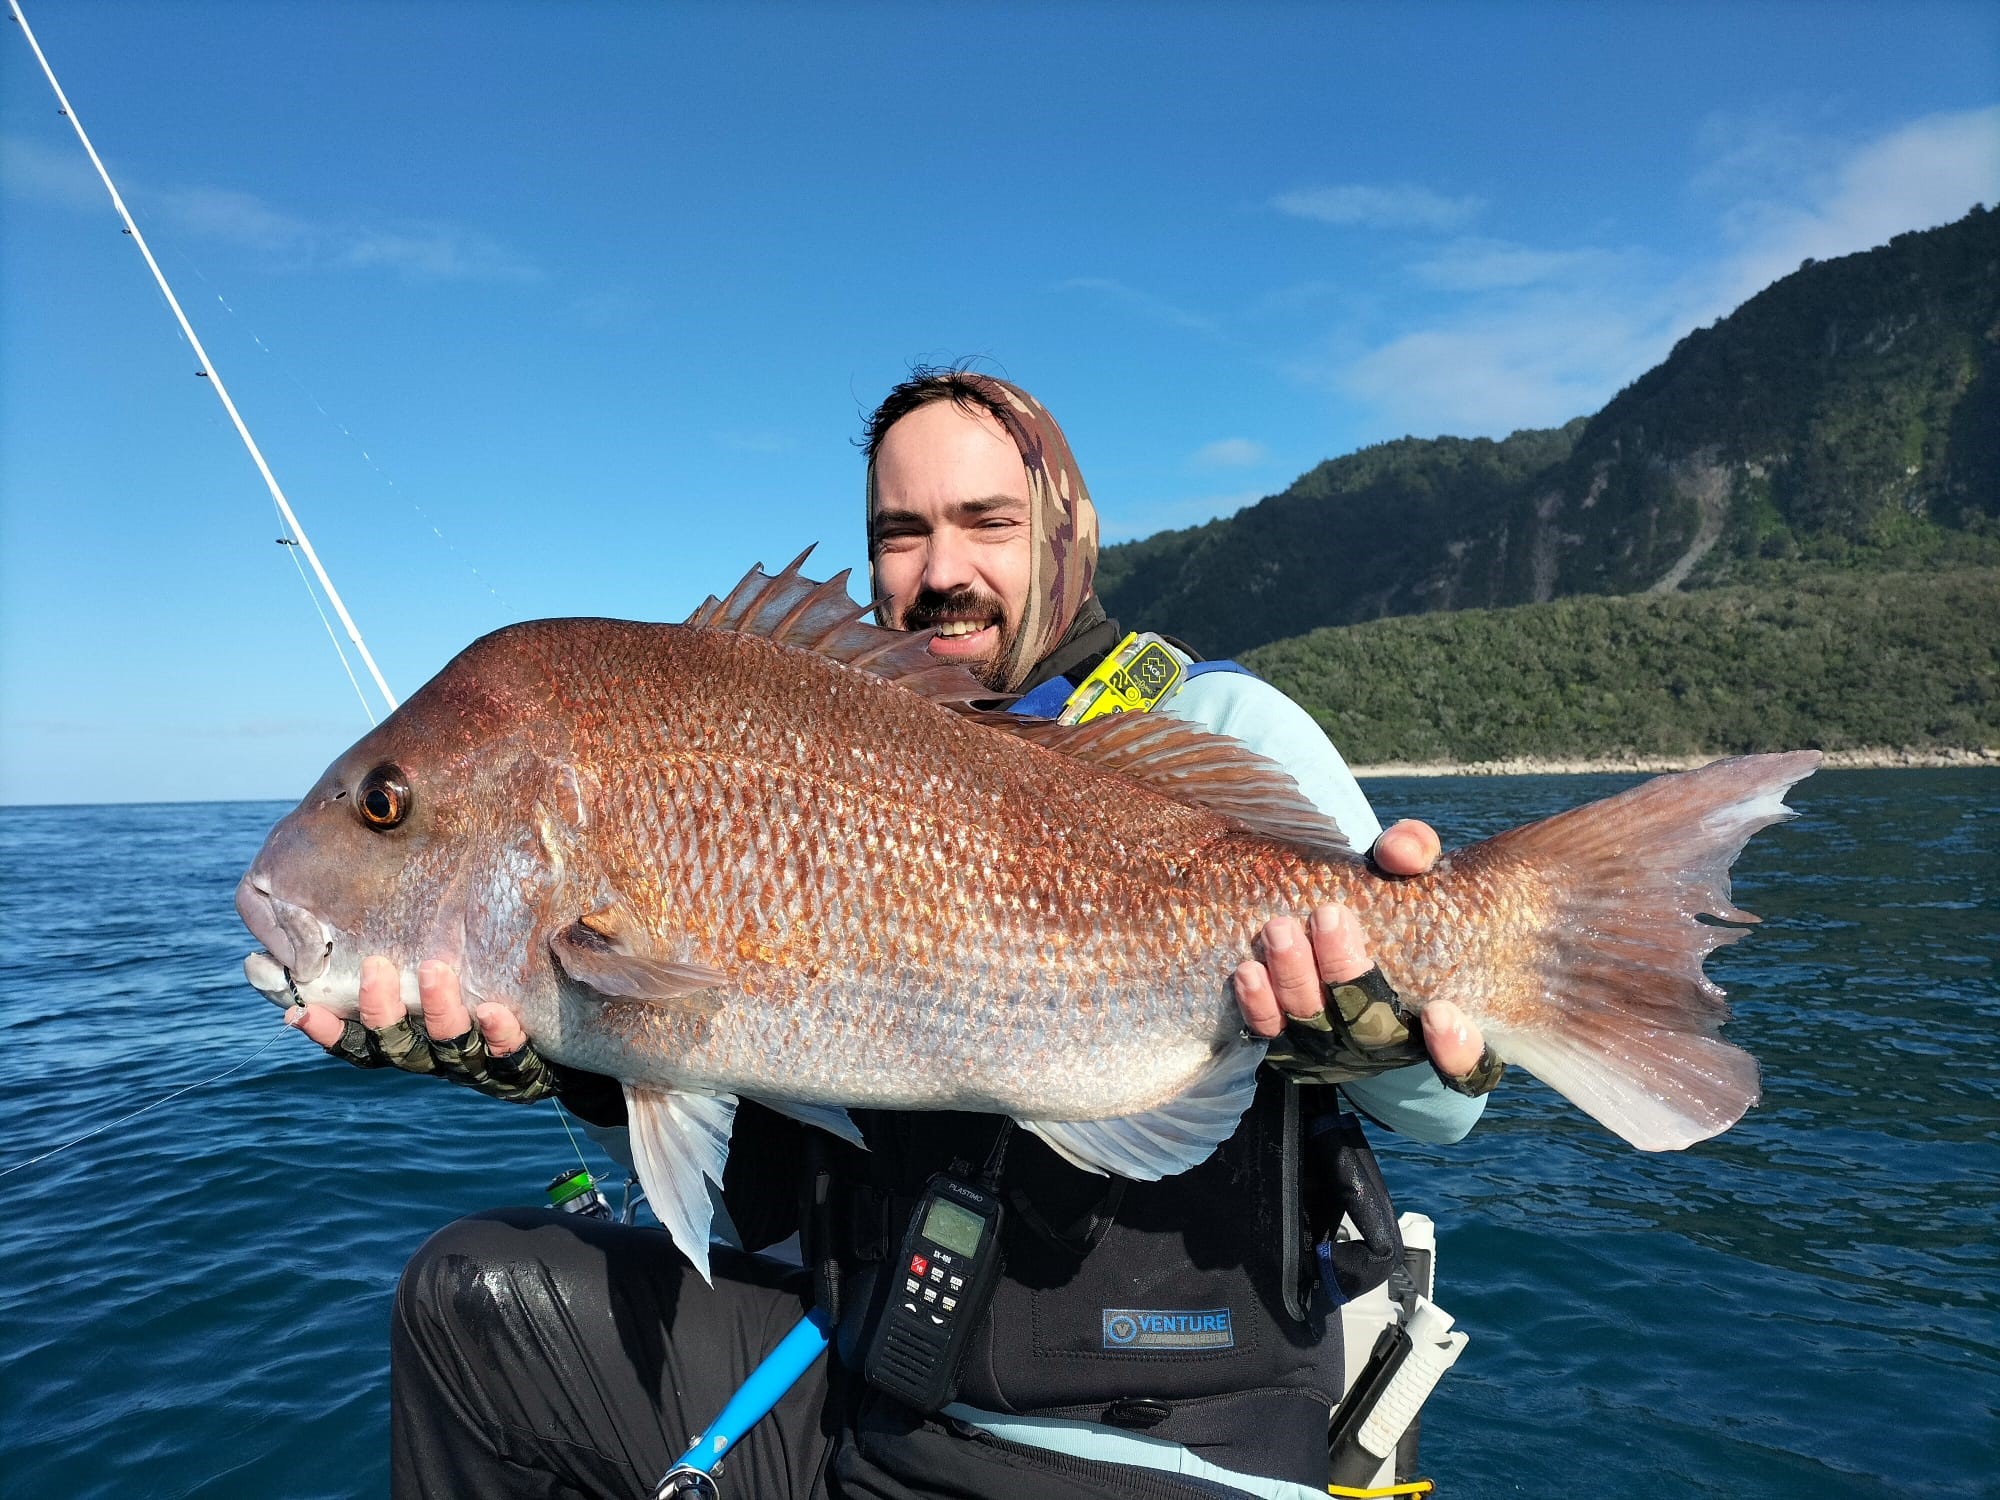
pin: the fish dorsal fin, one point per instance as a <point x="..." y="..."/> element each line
<point x="1193" y="767"/>
<point x="1173" y="757"/>
<point x="796" y="611"/>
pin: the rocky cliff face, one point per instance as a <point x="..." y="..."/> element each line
<point x="1850" y="412"/>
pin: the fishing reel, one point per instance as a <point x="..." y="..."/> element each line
<point x="577" y="1193"/>
<point x="687" y="1484"/>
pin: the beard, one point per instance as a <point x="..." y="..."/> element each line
<point x="968" y="603"/>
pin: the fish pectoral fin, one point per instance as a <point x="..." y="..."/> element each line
<point x="680" y="1144"/>
<point x="1181" y="1133"/>
<point x="828" y="1117"/>
<point x="599" y="950"/>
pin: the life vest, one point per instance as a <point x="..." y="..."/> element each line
<point x="1190" y="1309"/>
<point x="1140" y="673"/>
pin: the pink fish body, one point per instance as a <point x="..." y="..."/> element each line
<point x="776" y="853"/>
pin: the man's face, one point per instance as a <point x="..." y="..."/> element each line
<point x="952" y="534"/>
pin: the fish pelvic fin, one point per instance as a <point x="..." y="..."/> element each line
<point x="1181" y="1133"/>
<point x="680" y="1144"/>
<point x="607" y="952"/>
<point x="1625" y="1019"/>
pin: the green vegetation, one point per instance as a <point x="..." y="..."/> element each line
<point x="1864" y="389"/>
<point x="1830" y="660"/>
<point x="1356" y="538"/>
<point x="1846" y="417"/>
<point x="1818" y="473"/>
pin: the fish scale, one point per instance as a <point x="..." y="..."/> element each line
<point x="900" y="870"/>
<point x="778" y="853"/>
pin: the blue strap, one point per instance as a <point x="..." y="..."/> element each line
<point x="1329" y="1282"/>
<point x="1043" y="702"/>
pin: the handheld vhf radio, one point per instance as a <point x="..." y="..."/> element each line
<point x="940" y="1284"/>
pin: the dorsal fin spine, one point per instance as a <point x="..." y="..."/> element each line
<point x="797" y="612"/>
<point x="1171" y="757"/>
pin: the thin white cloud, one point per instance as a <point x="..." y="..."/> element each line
<point x="418" y="250"/>
<point x="431" y="252"/>
<point x="236" y="219"/>
<point x="1532" y="363"/>
<point x="1397" y="206"/>
<point x="1300" y="297"/>
<point x="1230" y="453"/>
<point x="1551" y="333"/>
<point x="1158" y="309"/>
<point x="41" y="174"/>
<point x="1481" y="265"/>
<point x="1126" y="523"/>
<point x="1925" y="174"/>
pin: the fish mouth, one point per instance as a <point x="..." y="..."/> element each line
<point x="268" y="978"/>
<point x="298" y="945"/>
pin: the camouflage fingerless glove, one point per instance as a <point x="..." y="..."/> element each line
<point x="1364" y="1030"/>
<point x="1484" y="1077"/>
<point x="520" y="1077"/>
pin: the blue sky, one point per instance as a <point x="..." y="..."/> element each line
<point x="574" y="309"/>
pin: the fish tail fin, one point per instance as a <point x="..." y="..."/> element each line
<point x="1620" y="1018"/>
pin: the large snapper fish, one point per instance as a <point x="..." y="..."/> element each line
<point x="777" y="853"/>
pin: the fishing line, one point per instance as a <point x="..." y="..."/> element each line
<point x="366" y="707"/>
<point x="296" y="541"/>
<point x="206" y="366"/>
<point x="143" y="1109"/>
<point x="283" y="368"/>
<point x="563" y="1115"/>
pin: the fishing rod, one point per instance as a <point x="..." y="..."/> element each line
<point x="205" y="368"/>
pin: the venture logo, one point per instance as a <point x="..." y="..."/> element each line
<point x="1164" y="1328"/>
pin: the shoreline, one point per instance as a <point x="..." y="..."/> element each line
<point x="1555" y="765"/>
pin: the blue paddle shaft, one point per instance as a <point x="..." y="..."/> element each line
<point x="768" y="1383"/>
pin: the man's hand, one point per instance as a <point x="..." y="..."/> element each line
<point x="1406" y="848"/>
<point x="1301" y="966"/>
<point x="491" y="1054"/>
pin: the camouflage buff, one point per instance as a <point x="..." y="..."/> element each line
<point x="1064" y="522"/>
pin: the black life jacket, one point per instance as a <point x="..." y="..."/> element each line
<point x="1188" y="1308"/>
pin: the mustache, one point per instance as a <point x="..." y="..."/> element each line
<point x="967" y="602"/>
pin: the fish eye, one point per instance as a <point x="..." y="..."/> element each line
<point x="383" y="799"/>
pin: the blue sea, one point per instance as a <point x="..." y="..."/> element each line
<point x="195" y="1304"/>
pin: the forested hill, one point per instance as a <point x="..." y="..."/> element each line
<point x="1848" y="415"/>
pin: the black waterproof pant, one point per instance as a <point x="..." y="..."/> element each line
<point x="540" y="1354"/>
<point x="536" y="1353"/>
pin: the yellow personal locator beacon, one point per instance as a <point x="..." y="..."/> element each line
<point x="1140" y="671"/>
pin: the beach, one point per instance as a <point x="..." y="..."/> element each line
<point x="1536" y="765"/>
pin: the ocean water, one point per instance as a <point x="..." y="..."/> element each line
<point x="195" y="1304"/>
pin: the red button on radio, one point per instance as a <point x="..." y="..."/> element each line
<point x="918" y="1265"/>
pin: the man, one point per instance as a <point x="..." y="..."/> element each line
<point x="538" y="1354"/>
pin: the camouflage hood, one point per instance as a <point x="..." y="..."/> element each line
<point x="1064" y="523"/>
